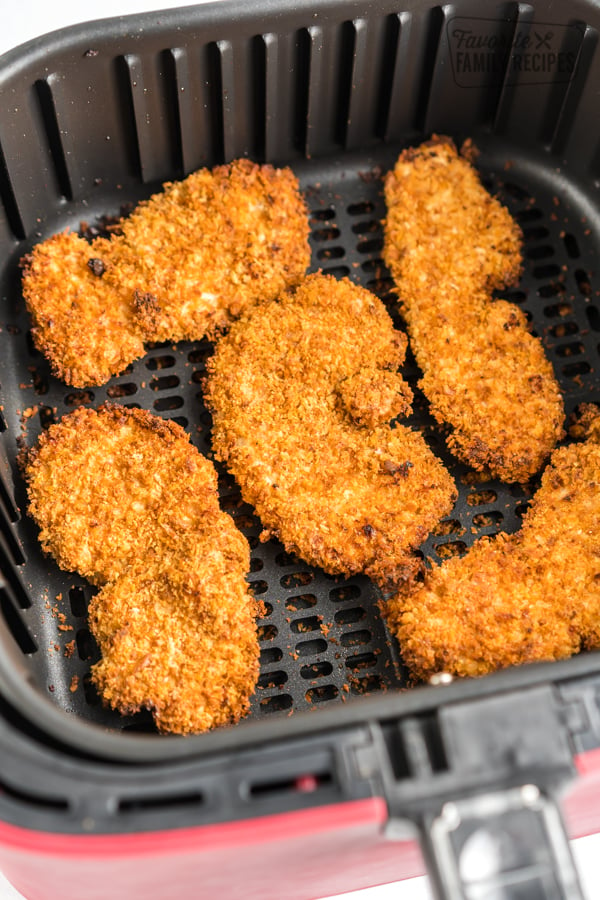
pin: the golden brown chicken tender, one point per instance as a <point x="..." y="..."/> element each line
<point x="533" y="595"/>
<point x="449" y="244"/>
<point x="183" y="643"/>
<point x="182" y="265"/>
<point x="302" y="392"/>
<point x="123" y="498"/>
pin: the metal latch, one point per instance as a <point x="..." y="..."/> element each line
<point x="480" y="778"/>
<point x="507" y="845"/>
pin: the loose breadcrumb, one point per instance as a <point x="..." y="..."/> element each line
<point x="449" y="244"/>
<point x="182" y="265"/>
<point x="302" y="392"/>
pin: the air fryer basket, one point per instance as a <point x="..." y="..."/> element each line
<point x="97" y="119"/>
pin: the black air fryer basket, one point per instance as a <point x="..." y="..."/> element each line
<point x="338" y="751"/>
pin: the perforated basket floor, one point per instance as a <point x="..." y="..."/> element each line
<point x="322" y="638"/>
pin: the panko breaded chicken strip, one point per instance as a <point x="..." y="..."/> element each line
<point x="449" y="244"/>
<point x="533" y="595"/>
<point x="302" y="392"/>
<point x="123" y="498"/>
<point x="183" y="643"/>
<point x="182" y="265"/>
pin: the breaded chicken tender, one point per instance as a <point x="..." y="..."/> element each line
<point x="533" y="595"/>
<point x="181" y="266"/>
<point x="302" y="392"/>
<point x="449" y="244"/>
<point x="122" y="497"/>
<point x="182" y="643"/>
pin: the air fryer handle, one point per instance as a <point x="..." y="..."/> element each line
<point x="506" y="845"/>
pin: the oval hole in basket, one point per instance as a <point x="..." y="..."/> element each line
<point x="311" y="648"/>
<point x="86" y="646"/>
<point x="574" y="370"/>
<point x="300" y="601"/>
<point x="166" y="403"/>
<point x="287" y="559"/>
<point x="277" y="703"/>
<point x="306" y="625"/>
<point x="450" y="549"/>
<point x="347" y="592"/>
<point x="481" y="498"/>
<point x="563" y="329"/>
<point x="331" y="253"/>
<point x="322" y="215"/>
<point x="366" y="685"/>
<point x="164" y="382"/>
<point x="336" y="271"/>
<point x="266" y="632"/>
<point x="331" y="233"/>
<point x="78" y="602"/>
<point x="259" y="587"/>
<point x="593" y="317"/>
<point x="575" y="348"/>
<point x="90" y="692"/>
<point x="571" y="245"/>
<point x="272" y="679"/>
<point x="488" y="519"/>
<point x="368" y="226"/>
<point x="160" y="362"/>
<point x="361" y="208"/>
<point x="296" y="579"/>
<point x="355" y="638"/>
<point x="256" y="565"/>
<point x="115" y="391"/>
<point x="583" y="282"/>
<point x="552" y="290"/>
<point x="270" y="655"/>
<point x="542" y="251"/>
<point x="550" y="270"/>
<point x="361" y="661"/>
<point x="349" y="616"/>
<point x="321" y="694"/>
<point x="447" y="527"/>
<point x="316" y="670"/>
<point x="374" y="245"/>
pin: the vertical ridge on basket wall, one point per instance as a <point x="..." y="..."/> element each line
<point x="29" y="182"/>
<point x="284" y="99"/>
<point x="417" y="37"/>
<point x="578" y="135"/>
<point x="11" y="224"/>
<point x="459" y="104"/>
<point x="155" y="127"/>
<point x="45" y="88"/>
<point x="329" y="58"/>
<point x="373" y="48"/>
<point x="194" y="114"/>
<point x="537" y="81"/>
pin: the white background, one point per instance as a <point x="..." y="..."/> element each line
<point x="25" y="19"/>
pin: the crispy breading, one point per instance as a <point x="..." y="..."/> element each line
<point x="182" y="265"/>
<point x="302" y="392"/>
<point x="533" y="595"/>
<point x="122" y="497"/>
<point x="449" y="244"/>
<point x="182" y="644"/>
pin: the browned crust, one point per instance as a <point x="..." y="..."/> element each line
<point x="182" y="265"/>
<point x="122" y="497"/>
<point x="449" y="244"/>
<point x="533" y="595"/>
<point x="302" y="392"/>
